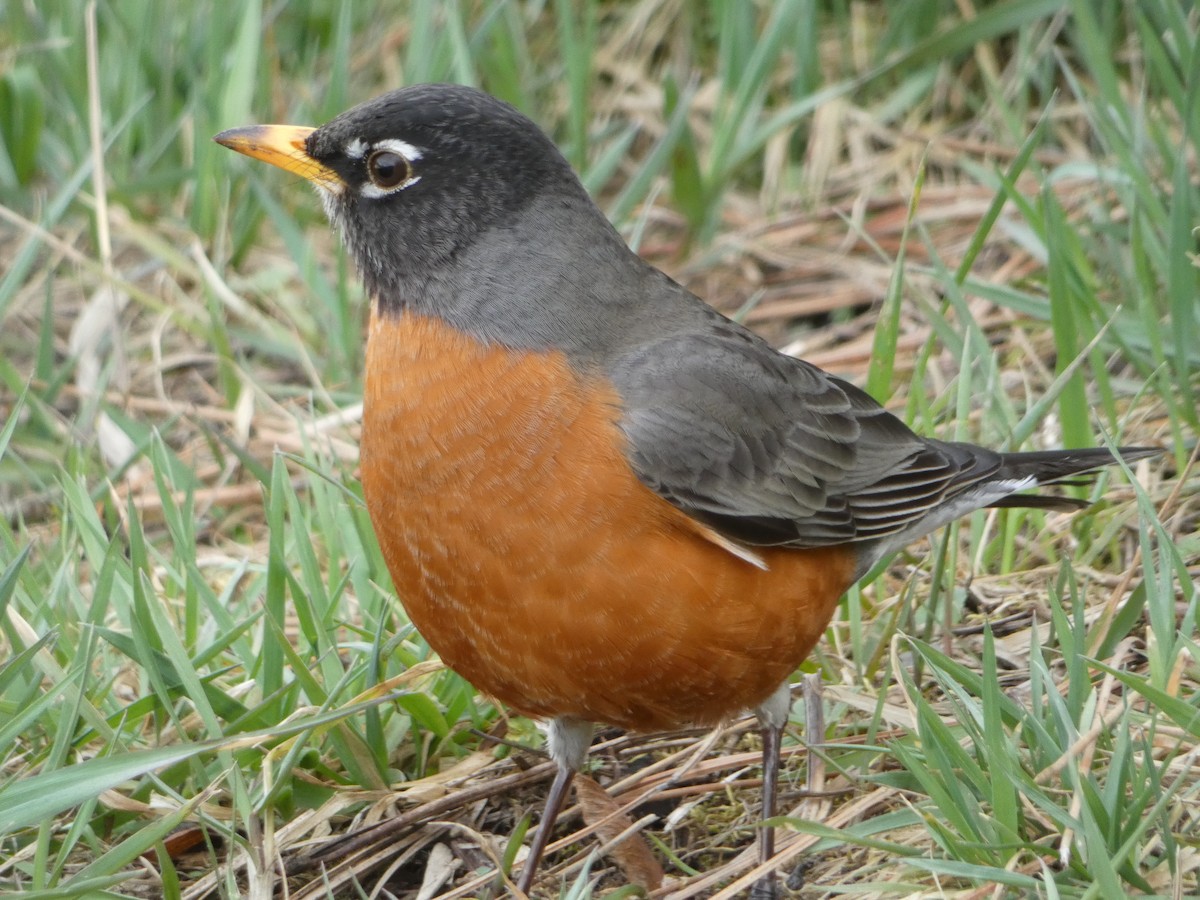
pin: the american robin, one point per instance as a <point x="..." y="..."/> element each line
<point x="599" y="499"/>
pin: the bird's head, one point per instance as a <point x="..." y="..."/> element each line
<point x="413" y="177"/>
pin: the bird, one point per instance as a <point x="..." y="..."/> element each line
<point x="599" y="499"/>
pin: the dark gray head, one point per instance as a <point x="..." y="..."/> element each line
<point x="414" y="177"/>
<point x="425" y="170"/>
<point x="454" y="204"/>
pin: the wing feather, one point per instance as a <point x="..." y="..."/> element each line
<point x="770" y="450"/>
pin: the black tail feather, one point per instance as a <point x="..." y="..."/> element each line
<point x="1060" y="467"/>
<point x="1052" y="466"/>
<point x="1040" y="501"/>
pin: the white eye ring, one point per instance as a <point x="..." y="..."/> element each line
<point x="403" y="148"/>
<point x="402" y="154"/>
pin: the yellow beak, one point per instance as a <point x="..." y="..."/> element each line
<point x="282" y="146"/>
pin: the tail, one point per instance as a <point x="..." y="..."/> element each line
<point x="988" y="479"/>
<point x="1045" y="467"/>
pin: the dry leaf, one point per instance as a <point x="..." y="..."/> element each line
<point x="438" y="871"/>
<point x="633" y="854"/>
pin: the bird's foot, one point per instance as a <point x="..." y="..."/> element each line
<point x="765" y="889"/>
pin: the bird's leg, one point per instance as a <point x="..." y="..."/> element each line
<point x="567" y="740"/>
<point x="554" y="801"/>
<point x="772" y="715"/>
<point x="771" y="738"/>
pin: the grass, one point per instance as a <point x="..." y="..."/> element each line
<point x="205" y="679"/>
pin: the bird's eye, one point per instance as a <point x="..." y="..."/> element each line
<point x="388" y="169"/>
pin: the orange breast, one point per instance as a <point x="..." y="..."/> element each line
<point x="529" y="555"/>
